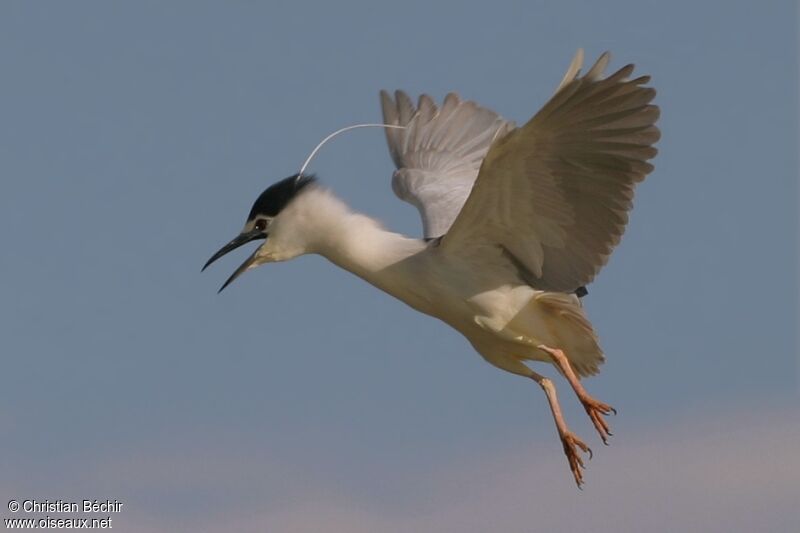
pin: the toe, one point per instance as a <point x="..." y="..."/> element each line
<point x="576" y="464"/>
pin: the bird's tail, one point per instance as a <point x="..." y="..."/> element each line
<point x="573" y="332"/>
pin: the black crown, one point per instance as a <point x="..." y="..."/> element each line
<point x="277" y="196"/>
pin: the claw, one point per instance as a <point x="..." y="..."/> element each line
<point x="596" y="410"/>
<point x="570" y="442"/>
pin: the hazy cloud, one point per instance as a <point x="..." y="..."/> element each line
<point x="735" y="472"/>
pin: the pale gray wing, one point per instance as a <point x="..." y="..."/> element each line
<point x="554" y="194"/>
<point x="438" y="154"/>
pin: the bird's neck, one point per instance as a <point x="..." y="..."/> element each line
<point x="356" y="242"/>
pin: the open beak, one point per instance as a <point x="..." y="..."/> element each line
<point x="241" y="239"/>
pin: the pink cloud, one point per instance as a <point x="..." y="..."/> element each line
<point x="736" y="471"/>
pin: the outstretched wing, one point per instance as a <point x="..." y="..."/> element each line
<point x="438" y="154"/>
<point x="554" y="194"/>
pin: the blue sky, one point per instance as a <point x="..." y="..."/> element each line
<point x="134" y="138"/>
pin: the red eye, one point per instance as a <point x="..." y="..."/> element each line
<point x="261" y="224"/>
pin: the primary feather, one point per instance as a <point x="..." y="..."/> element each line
<point x="438" y="154"/>
<point x="555" y="193"/>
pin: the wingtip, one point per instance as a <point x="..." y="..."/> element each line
<point x="426" y="107"/>
<point x="405" y="106"/>
<point x="578" y="58"/>
<point x="401" y="96"/>
<point x="573" y="69"/>
<point x="388" y="107"/>
<point x="599" y="67"/>
<point x="386" y="100"/>
<point x="452" y="98"/>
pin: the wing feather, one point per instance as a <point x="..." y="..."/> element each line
<point x="556" y="192"/>
<point x="438" y="154"/>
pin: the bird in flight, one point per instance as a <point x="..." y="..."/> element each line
<point x="516" y="221"/>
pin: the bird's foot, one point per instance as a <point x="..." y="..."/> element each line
<point x="571" y="444"/>
<point x="596" y="411"/>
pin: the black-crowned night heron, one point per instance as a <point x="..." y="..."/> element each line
<point x="515" y="220"/>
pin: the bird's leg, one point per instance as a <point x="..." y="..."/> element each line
<point x="568" y="439"/>
<point x="594" y="408"/>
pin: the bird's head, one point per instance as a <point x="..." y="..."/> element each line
<point x="268" y="221"/>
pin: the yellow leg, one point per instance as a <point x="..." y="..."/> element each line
<point x="594" y="408"/>
<point x="570" y="442"/>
